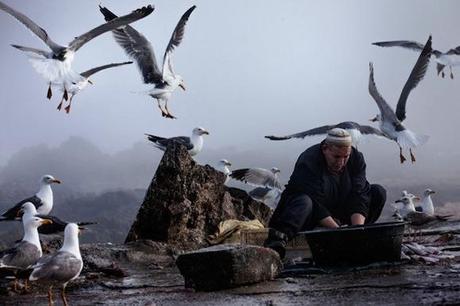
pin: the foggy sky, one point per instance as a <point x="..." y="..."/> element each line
<point x="252" y="68"/>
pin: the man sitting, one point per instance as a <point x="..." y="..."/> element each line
<point x="328" y="188"/>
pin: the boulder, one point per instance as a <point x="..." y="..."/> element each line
<point x="227" y="265"/>
<point x="185" y="202"/>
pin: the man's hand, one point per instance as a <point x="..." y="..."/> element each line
<point x="357" y="219"/>
<point x="328" y="222"/>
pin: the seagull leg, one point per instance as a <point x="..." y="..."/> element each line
<point x="161" y="109"/>
<point x="64" y="300"/>
<point x="412" y="156"/>
<point x="401" y="156"/>
<point x="67" y="108"/>
<point x="442" y="74"/>
<point x="26" y="285"/>
<point x="65" y="96"/>
<point x="168" y="114"/>
<point x="451" y="74"/>
<point x="60" y="104"/>
<point x="50" y="296"/>
<point x="49" y="93"/>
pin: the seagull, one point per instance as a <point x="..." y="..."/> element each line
<point x="55" y="65"/>
<point x="222" y="166"/>
<point x="43" y="200"/>
<point x="28" y="251"/>
<point x="414" y="217"/>
<point x="449" y="58"/>
<point x="356" y="131"/>
<point x="390" y="121"/>
<point x="61" y="267"/>
<point x="258" y="177"/>
<point x="80" y="84"/>
<point x="57" y="225"/>
<point x="426" y="205"/>
<point x="268" y="196"/>
<point x="194" y="144"/>
<point x="139" y="48"/>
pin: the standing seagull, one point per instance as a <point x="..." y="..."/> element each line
<point x="426" y="204"/>
<point x="356" y="131"/>
<point x="449" y="58"/>
<point x="28" y="251"/>
<point x="223" y="166"/>
<point x="139" y="48"/>
<point x="77" y="86"/>
<point x="43" y="199"/>
<point x="390" y="122"/>
<point x="268" y="196"/>
<point x="61" y="267"/>
<point x="258" y="177"/>
<point x="416" y="218"/>
<point x="194" y="144"/>
<point x="55" y="66"/>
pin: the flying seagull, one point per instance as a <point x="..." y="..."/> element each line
<point x="80" y="84"/>
<point x="390" y="121"/>
<point x="223" y="166"/>
<point x="194" y="144"/>
<point x="28" y="251"/>
<point x="56" y="226"/>
<point x="55" y="65"/>
<point x="139" y="48"/>
<point x="61" y="267"/>
<point x="42" y="200"/>
<point x="443" y="59"/>
<point x="258" y="177"/>
<point x="356" y="131"/>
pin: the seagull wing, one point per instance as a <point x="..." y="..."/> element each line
<point x="12" y="213"/>
<point x="79" y="41"/>
<point x="368" y="130"/>
<point x="176" y="39"/>
<point x="57" y="226"/>
<point x="256" y="176"/>
<point x="408" y="44"/>
<point x="186" y="141"/>
<point x="455" y="51"/>
<point x="416" y="75"/>
<point x="385" y="109"/>
<point x="138" y="48"/>
<point x="92" y="71"/>
<point x="35" y="28"/>
<point x="61" y="266"/>
<point x="312" y="132"/>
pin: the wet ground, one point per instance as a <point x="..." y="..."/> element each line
<point x="159" y="283"/>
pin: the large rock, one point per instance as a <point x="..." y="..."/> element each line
<point x="226" y="266"/>
<point x="185" y="202"/>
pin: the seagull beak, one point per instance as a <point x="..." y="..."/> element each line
<point x="229" y="164"/>
<point x="398" y="201"/>
<point x="206" y="132"/>
<point x="56" y="181"/>
<point x="417" y="198"/>
<point x="46" y="221"/>
<point x="373" y="119"/>
<point x="182" y="85"/>
<point x="89" y="81"/>
<point x="432" y="191"/>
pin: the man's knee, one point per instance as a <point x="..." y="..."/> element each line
<point x="378" y="194"/>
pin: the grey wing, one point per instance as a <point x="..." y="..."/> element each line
<point x="408" y="44"/>
<point x="257" y="177"/>
<point x="12" y="213"/>
<point x="35" y="28"/>
<point x="367" y="130"/>
<point x="259" y="193"/>
<point x="416" y="75"/>
<point x="32" y="50"/>
<point x="455" y="51"/>
<point x="137" y="47"/>
<point x="176" y="39"/>
<point x="92" y="71"/>
<point x="22" y="256"/>
<point x="385" y="109"/>
<point x="61" y="267"/>
<point x="186" y="141"/>
<point x="79" y="41"/>
<point x="315" y="131"/>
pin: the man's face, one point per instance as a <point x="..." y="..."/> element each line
<point x="336" y="157"/>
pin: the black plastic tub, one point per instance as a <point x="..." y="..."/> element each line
<point x="356" y="245"/>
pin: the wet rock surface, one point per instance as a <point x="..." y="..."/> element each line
<point x="226" y="266"/>
<point x="185" y="202"/>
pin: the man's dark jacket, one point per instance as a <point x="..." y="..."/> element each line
<point x="337" y="196"/>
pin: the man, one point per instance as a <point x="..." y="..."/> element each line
<point x="328" y="188"/>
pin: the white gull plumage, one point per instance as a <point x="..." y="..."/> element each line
<point x="194" y="143"/>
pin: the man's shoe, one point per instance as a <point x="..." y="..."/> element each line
<point x="276" y="241"/>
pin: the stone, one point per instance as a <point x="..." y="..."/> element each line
<point x="226" y="266"/>
<point x="185" y="202"/>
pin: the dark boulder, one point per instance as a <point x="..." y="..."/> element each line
<point x="185" y="202"/>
